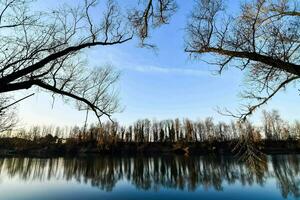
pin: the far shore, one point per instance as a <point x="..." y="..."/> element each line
<point x="22" y="147"/>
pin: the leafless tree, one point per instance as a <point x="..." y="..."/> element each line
<point x="151" y="14"/>
<point x="274" y="126"/>
<point x="7" y="115"/>
<point x="188" y="129"/>
<point x="246" y="149"/>
<point x="45" y="49"/>
<point x="263" y="40"/>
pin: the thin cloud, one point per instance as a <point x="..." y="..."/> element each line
<point x="169" y="70"/>
<point x="122" y="61"/>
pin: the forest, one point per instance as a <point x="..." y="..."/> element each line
<point x="152" y="136"/>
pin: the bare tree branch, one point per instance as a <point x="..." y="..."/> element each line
<point x="263" y="40"/>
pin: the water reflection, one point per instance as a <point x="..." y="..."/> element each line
<point x="154" y="173"/>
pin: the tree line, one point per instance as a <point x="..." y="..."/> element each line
<point x="273" y="127"/>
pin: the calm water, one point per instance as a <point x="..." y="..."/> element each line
<point x="148" y="178"/>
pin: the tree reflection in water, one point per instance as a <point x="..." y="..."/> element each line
<point x="154" y="173"/>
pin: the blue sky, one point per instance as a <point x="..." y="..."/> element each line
<point x="162" y="84"/>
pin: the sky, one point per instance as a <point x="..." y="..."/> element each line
<point x="160" y="84"/>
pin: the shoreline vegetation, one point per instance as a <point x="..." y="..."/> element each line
<point x="23" y="147"/>
<point x="186" y="137"/>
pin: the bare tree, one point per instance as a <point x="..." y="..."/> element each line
<point x="263" y="40"/>
<point x="44" y="49"/>
<point x="274" y="126"/>
<point x="188" y="129"/>
<point x="7" y="115"/>
<point x="246" y="148"/>
<point x="151" y="14"/>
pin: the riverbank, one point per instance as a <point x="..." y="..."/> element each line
<point x="17" y="146"/>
